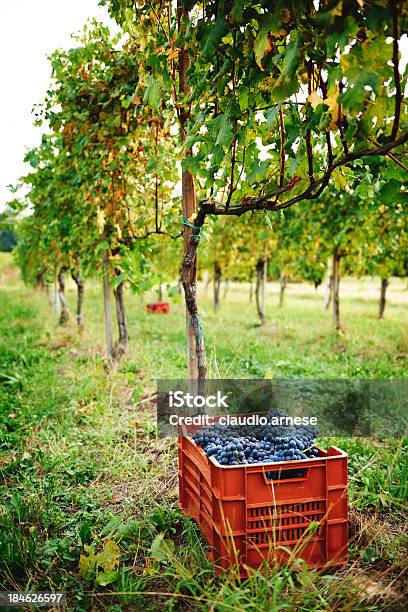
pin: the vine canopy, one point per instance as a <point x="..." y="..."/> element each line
<point x="281" y="96"/>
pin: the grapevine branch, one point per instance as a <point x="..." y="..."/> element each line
<point x="308" y="136"/>
<point x="397" y="80"/>
<point x="330" y="156"/>
<point x="234" y="142"/>
<point x="264" y="203"/>
<point x="282" y="149"/>
<point x="340" y="125"/>
<point x="129" y="242"/>
<point x="209" y="206"/>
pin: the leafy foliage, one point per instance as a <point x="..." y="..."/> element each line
<point x="104" y="175"/>
<point x="288" y="103"/>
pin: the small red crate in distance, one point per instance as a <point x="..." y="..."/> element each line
<point x="247" y="518"/>
<point x="158" y="307"/>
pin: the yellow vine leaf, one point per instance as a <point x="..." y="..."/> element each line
<point x="173" y="53"/>
<point x="315" y="99"/>
<point x="330" y="101"/>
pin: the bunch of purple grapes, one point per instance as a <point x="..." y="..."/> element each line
<point x="244" y="445"/>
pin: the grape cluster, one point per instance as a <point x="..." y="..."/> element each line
<point x="250" y="444"/>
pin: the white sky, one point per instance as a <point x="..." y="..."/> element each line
<point x="29" y="31"/>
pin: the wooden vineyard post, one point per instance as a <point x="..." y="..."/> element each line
<point x="188" y="197"/>
<point x="107" y="304"/>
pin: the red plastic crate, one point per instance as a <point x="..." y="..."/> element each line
<point x="158" y="307"/>
<point x="247" y="518"/>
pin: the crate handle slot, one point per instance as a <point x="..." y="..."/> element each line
<point x="286" y="474"/>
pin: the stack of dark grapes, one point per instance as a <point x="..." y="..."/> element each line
<point x="243" y="445"/>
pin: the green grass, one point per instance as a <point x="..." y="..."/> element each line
<point x="298" y="340"/>
<point x="88" y="496"/>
